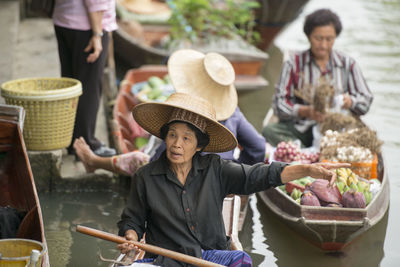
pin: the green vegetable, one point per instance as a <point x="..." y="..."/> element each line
<point x="154" y="94"/>
<point x="155" y="82"/>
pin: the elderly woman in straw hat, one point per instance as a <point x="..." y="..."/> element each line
<point x="210" y="76"/>
<point x="177" y="199"/>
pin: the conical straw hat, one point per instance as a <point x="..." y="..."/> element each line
<point x="210" y="76"/>
<point x="192" y="109"/>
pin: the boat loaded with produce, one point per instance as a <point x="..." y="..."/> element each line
<point x="331" y="217"/>
<point x="208" y="26"/>
<point x="148" y="83"/>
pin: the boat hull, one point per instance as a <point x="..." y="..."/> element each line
<point x="329" y="228"/>
<point x="17" y="184"/>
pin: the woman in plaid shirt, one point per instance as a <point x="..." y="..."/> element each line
<point x="305" y="69"/>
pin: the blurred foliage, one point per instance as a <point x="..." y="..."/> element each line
<point x="195" y="21"/>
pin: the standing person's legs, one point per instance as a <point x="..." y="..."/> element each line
<point x="74" y="65"/>
<point x="91" y="75"/>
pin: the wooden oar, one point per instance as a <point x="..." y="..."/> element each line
<point x="149" y="248"/>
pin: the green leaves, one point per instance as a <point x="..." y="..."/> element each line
<point x="195" y="20"/>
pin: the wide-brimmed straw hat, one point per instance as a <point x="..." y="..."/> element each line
<point x="145" y="6"/>
<point x="210" y="76"/>
<point x="189" y="108"/>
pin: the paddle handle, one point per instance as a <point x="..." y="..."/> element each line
<point x="146" y="247"/>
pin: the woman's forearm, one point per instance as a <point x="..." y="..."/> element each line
<point x="95" y="19"/>
<point x="293" y="172"/>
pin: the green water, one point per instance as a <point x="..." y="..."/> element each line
<point x="371" y="35"/>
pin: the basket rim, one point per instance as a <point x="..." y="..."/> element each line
<point x="47" y="95"/>
<point x="10" y="91"/>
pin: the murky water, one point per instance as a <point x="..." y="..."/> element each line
<point x="371" y="35"/>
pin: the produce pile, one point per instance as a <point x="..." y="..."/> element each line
<point x="290" y="152"/>
<point x="154" y="89"/>
<point x="350" y="191"/>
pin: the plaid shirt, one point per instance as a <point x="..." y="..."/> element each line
<point x="301" y="70"/>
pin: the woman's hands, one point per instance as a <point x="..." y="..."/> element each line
<point x="316" y="170"/>
<point x="130" y="235"/>
<point x="309" y="112"/>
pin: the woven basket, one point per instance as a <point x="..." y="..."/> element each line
<point x="50" y="105"/>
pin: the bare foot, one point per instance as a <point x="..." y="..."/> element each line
<point x="84" y="153"/>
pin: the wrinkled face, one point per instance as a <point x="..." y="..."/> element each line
<point x="322" y="39"/>
<point x="181" y="144"/>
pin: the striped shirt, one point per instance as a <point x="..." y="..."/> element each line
<point x="301" y="71"/>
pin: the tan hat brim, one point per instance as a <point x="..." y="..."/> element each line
<point x="188" y="75"/>
<point x="153" y="115"/>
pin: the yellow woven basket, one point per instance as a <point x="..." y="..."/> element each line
<point x="50" y="105"/>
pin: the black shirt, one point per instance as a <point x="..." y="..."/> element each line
<point x="188" y="218"/>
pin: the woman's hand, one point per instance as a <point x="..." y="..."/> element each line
<point x="96" y="47"/>
<point x="326" y="170"/>
<point x="316" y="170"/>
<point x="309" y="112"/>
<point x="347" y="102"/>
<point x="130" y="235"/>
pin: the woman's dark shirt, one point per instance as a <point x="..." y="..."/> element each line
<point x="188" y="218"/>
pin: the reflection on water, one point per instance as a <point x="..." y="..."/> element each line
<point x="100" y="210"/>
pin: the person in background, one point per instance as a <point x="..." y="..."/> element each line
<point x="81" y="28"/>
<point x="176" y="200"/>
<point x="304" y="70"/>
<point x="211" y="77"/>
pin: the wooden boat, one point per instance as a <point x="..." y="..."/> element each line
<point x="273" y="16"/>
<point x="140" y="44"/>
<point x="231" y="216"/>
<point x="329" y="228"/>
<point x="17" y="185"/>
<point x="145" y="48"/>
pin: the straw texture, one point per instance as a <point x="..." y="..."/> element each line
<point x="153" y="115"/>
<point x="210" y="76"/>
<point x="50" y="105"/>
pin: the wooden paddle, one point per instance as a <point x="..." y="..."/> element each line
<point x="146" y="247"/>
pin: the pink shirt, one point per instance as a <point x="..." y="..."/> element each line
<point x="73" y="14"/>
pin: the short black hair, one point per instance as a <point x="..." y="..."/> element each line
<point x="322" y="17"/>
<point x="203" y="139"/>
